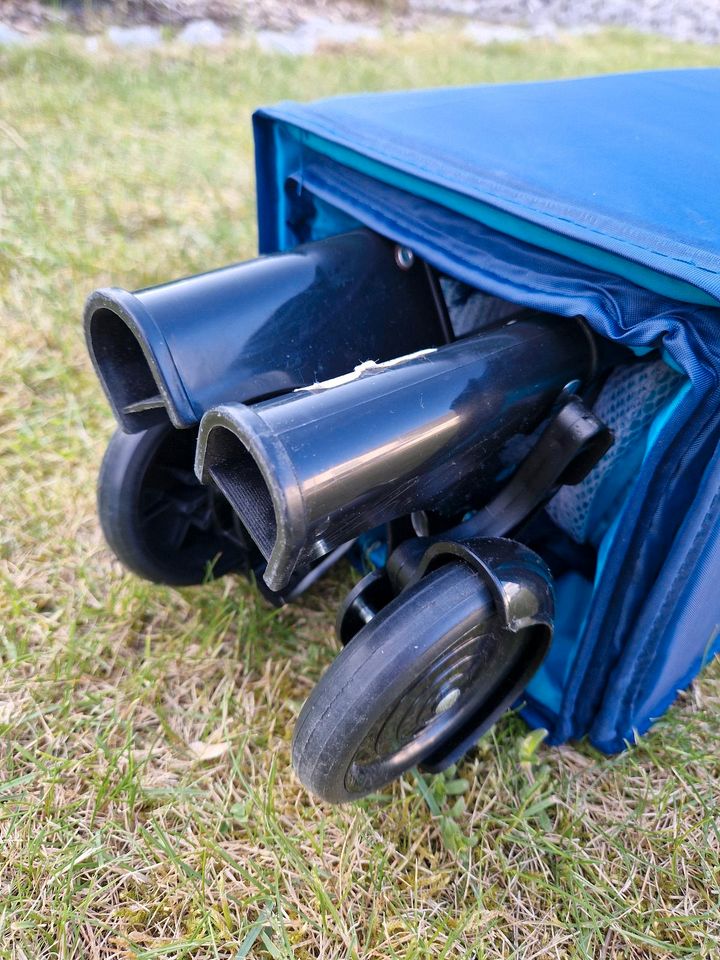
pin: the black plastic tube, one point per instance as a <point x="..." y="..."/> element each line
<point x="260" y="328"/>
<point x="436" y="431"/>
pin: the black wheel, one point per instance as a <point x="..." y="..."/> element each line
<point x="158" y="519"/>
<point x="407" y="683"/>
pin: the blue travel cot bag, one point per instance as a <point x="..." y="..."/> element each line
<point x="595" y="197"/>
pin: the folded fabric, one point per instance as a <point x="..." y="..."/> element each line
<point x="595" y="197"/>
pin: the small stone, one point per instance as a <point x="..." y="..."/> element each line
<point x="202" y="33"/>
<point x="10" y="37"/>
<point x="141" y="37"/>
<point x="295" y="44"/>
<point x="92" y="44"/>
<point x="313" y="34"/>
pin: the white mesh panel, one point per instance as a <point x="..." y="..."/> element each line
<point x="628" y="403"/>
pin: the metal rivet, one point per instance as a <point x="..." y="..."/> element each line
<point x="404" y="257"/>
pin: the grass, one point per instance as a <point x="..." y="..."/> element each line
<point x="147" y="806"/>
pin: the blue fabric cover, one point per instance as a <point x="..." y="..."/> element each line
<point x="596" y="197"/>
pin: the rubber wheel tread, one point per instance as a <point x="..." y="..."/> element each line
<point x="368" y="675"/>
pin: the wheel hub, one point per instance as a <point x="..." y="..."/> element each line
<point x="429" y="711"/>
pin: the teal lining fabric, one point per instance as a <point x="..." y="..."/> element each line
<point x="507" y="223"/>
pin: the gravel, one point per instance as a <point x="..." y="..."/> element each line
<point x="300" y="27"/>
<point x="697" y="20"/>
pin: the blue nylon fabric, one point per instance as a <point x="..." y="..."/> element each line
<point x="572" y="599"/>
<point x="681" y="613"/>
<point x="627" y="164"/>
<point x="650" y="624"/>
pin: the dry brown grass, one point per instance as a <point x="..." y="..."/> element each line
<point x="147" y="807"/>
